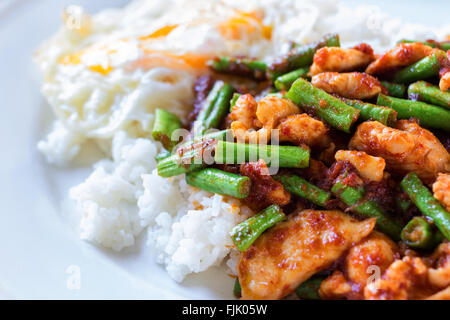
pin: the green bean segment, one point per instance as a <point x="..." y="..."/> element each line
<point x="220" y="182"/>
<point x="443" y="45"/>
<point x="282" y="156"/>
<point x="428" y="115"/>
<point x="354" y="198"/>
<point x="233" y="100"/>
<point x="241" y="67"/>
<point x="427" y="204"/>
<point x="246" y="233"/>
<point x="215" y="107"/>
<point x="309" y="290"/>
<point x="300" y="56"/>
<point x="164" y="126"/>
<point x="433" y="44"/>
<point x="419" y="234"/>
<point x="331" y="109"/>
<point x="302" y="188"/>
<point x="397" y="90"/>
<point x="369" y="111"/>
<point x="422" y="69"/>
<point x="285" y="81"/>
<point x="237" y="291"/>
<point x="190" y="156"/>
<point x="429" y="93"/>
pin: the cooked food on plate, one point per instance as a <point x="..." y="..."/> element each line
<point x="310" y="160"/>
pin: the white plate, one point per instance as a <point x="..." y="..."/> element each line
<point x="37" y="246"/>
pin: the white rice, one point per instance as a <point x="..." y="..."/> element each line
<point x="187" y="229"/>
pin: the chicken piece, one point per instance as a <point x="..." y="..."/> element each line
<point x="353" y="85"/>
<point x="244" y="111"/>
<point x="292" y="251"/>
<point x="444" y="83"/>
<point x="341" y="60"/>
<point x="407" y="148"/>
<point x="245" y="123"/>
<point x="369" y="167"/>
<point x="377" y="250"/>
<point x="271" y="110"/>
<point x="253" y="122"/>
<point x="441" y="295"/>
<point x="303" y="129"/>
<point x="265" y="190"/>
<point x="441" y="189"/>
<point x="444" y="73"/>
<point x="403" y="280"/>
<point x="335" y="287"/>
<point x="439" y="273"/>
<point x="414" y="278"/>
<point x="402" y="55"/>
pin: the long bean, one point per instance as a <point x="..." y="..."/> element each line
<point x="221" y="108"/>
<point x="302" y="188"/>
<point x="427" y="204"/>
<point x="309" y="290"/>
<point x="237" y="291"/>
<point x="433" y="44"/>
<point x="285" y="81"/>
<point x="300" y="57"/>
<point x="354" y="198"/>
<point x="178" y="164"/>
<point x="397" y="90"/>
<point x="422" y="69"/>
<point x="429" y="93"/>
<point x="241" y="67"/>
<point x="283" y="156"/>
<point x="189" y="156"/>
<point x="190" y="142"/>
<point x="245" y="233"/>
<point x="369" y="111"/>
<point x="214" y="108"/>
<point x="444" y="45"/>
<point x="233" y="100"/>
<point x="164" y="125"/>
<point x="335" y="112"/>
<point x="403" y="204"/>
<point x="221" y="182"/>
<point x="419" y="234"/>
<point x="428" y="115"/>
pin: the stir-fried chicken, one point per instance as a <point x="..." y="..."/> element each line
<point x="444" y="73"/>
<point x="371" y="257"/>
<point x="369" y="167"/>
<point x="253" y="122"/>
<point x="400" y="281"/>
<point x="244" y="111"/>
<point x="341" y="60"/>
<point x="303" y="129"/>
<point x="407" y="148"/>
<point x="441" y="189"/>
<point x="402" y="55"/>
<point x="441" y="295"/>
<point x="265" y="190"/>
<point x="444" y="83"/>
<point x="353" y="85"/>
<point x="413" y="277"/>
<point x="439" y="272"/>
<point x="292" y="251"/>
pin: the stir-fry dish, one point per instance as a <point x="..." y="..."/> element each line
<point x="343" y="156"/>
